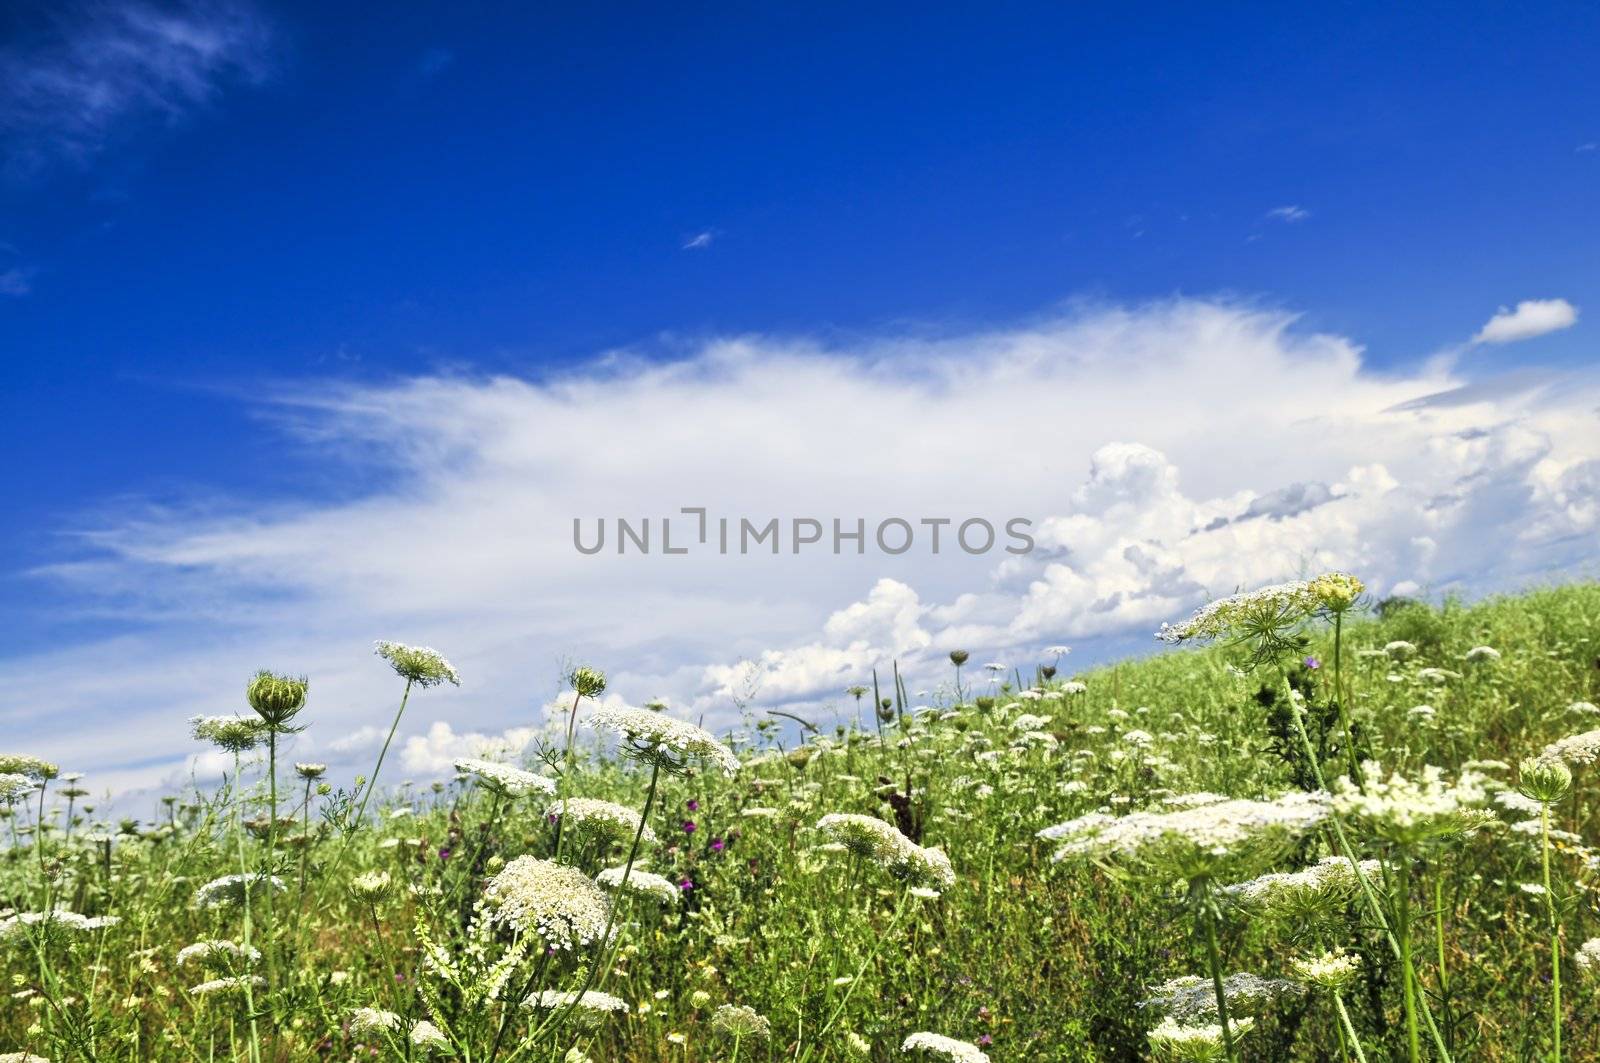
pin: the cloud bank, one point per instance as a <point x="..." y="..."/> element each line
<point x="1166" y="453"/>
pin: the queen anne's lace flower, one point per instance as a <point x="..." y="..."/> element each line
<point x="1191" y="842"/>
<point x="880" y="842"/>
<point x="232" y="734"/>
<point x="592" y="1000"/>
<point x="373" y="1020"/>
<point x="647" y="883"/>
<point x="1588" y="957"/>
<point x="559" y="903"/>
<point x="672" y="744"/>
<point x="1325" y="884"/>
<point x="937" y="1044"/>
<point x="1407" y="811"/>
<point x="504" y="779"/>
<point x="13" y="785"/>
<point x="225" y="987"/>
<point x="738" y="1020"/>
<point x="1191" y="999"/>
<point x="1330" y="972"/>
<point x="1575" y="749"/>
<point x="600" y="817"/>
<point x="1269" y="608"/>
<point x="425" y="1034"/>
<point x="213" y="951"/>
<point x="1201" y="1043"/>
<point x="231" y="889"/>
<point x="23" y="764"/>
<point x="418" y="664"/>
<point x="54" y="921"/>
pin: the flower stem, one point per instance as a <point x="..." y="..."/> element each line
<point x="1349" y="1027"/>
<point x="1555" y="932"/>
<point x="372" y="783"/>
<point x="1214" y="960"/>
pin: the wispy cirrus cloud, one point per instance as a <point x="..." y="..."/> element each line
<point x="1530" y="318"/>
<point x="90" y="70"/>
<point x="1289" y="213"/>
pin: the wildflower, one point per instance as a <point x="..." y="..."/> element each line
<point x="1588" y="957"/>
<point x="1406" y="811"/>
<point x="1482" y="655"/>
<point x="959" y="657"/>
<point x="557" y="902"/>
<point x="418" y="664"/>
<point x="57" y="921"/>
<point x="23" y="764"/>
<point x="373" y="1020"/>
<point x="505" y="780"/>
<point x="758" y="812"/>
<point x="231" y="889"/>
<point x="1400" y="649"/>
<point x="602" y="819"/>
<point x="1192" y="999"/>
<point x="310" y="770"/>
<point x="217" y="952"/>
<point x="1336" y="591"/>
<point x="13" y="785"/>
<point x="944" y="1047"/>
<point x="1574" y="749"/>
<point x="425" y="1034"/>
<point x="232" y="734"/>
<point x="1204" y="1043"/>
<point x="856" y="1044"/>
<point x="276" y="698"/>
<point x="590" y="1008"/>
<point x="647" y="883"/>
<point x="587" y="682"/>
<point x="1266" y="617"/>
<point x="670" y="744"/>
<point x="1198" y="842"/>
<point x="1545" y="781"/>
<point x="21" y="1057"/>
<point x="1072" y="686"/>
<point x="737" y="1020"/>
<point x="1330" y="972"/>
<point x="873" y="839"/>
<point x="370" y="887"/>
<point x="1584" y="708"/>
<point x="1323" y="886"/>
<point x="227" y="987"/>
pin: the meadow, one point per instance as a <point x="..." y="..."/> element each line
<point x="1315" y="827"/>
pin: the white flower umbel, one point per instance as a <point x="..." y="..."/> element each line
<point x="1325" y="885"/>
<point x="417" y="664"/>
<point x="231" y="889"/>
<point x="654" y="737"/>
<point x="559" y="903"/>
<point x="235" y="985"/>
<point x="1575" y="749"/>
<point x="1406" y="811"/>
<point x="505" y="780"/>
<point x="373" y="1020"/>
<point x="214" y="952"/>
<point x="1268" y="609"/>
<point x="1191" y="1000"/>
<point x="880" y="842"/>
<point x="592" y="1001"/>
<point x="600" y="818"/>
<point x="738" y="1020"/>
<point x="645" y="883"/>
<point x="57" y="921"/>
<point x="1202" y="1043"/>
<point x="942" y="1047"/>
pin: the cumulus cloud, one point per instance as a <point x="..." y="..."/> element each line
<point x="1164" y="452"/>
<point x="67" y="89"/>
<point x="1532" y="317"/>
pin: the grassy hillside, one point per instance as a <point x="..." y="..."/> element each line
<point x="845" y="942"/>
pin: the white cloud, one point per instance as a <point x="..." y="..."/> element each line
<point x="699" y="241"/>
<point x="1532" y="317"/>
<point x="1165" y="452"/>
<point x="66" y="92"/>
<point x="1289" y="213"/>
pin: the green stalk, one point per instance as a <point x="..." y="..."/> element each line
<point x="1408" y="972"/>
<point x="1555" y="931"/>
<point x="1214" y="960"/>
<point x="1349" y="1027"/>
<point x="372" y="783"/>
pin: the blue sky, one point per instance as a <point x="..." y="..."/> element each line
<point x="228" y="233"/>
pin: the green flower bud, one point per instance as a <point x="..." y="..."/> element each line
<point x="588" y="682"/>
<point x="1545" y="781"/>
<point x="958" y="657"/>
<point x="276" y="698"/>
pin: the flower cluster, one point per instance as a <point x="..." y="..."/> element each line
<point x="1194" y="842"/>
<point x="645" y="883"/>
<point x="737" y="1020"/>
<point x="671" y="744"/>
<point x="1269" y="609"/>
<point x="1191" y="999"/>
<point x="1574" y="749"/>
<point x="231" y="734"/>
<point x="231" y="889"/>
<point x="936" y="1044"/>
<point x="1200" y="1043"/>
<point x="1406" y="811"/>
<point x="1330" y="972"/>
<point x="57" y="919"/>
<point x="505" y="780"/>
<point x="600" y="818"/>
<point x="1326" y="884"/>
<point x="558" y="903"/>
<point x="418" y="664"/>
<point x="23" y="764"/>
<point x="213" y="952"/>
<point x="875" y="840"/>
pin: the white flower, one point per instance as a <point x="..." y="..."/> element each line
<point x="227" y="986"/>
<point x="1204" y="1041"/>
<point x="1406" y="811"/>
<point x="1482" y="654"/>
<point x="1400" y="649"/>
<point x="231" y="889"/>
<point x="57" y="919"/>
<point x="592" y="1000"/>
<point x="1327" y="882"/>
<point x="1574" y="749"/>
<point x="373" y="1020"/>
<point x="559" y="903"/>
<point x="872" y="838"/>
<point x="505" y="780"/>
<point x="13" y="786"/>
<point x="737" y="1020"/>
<point x="655" y="737"/>
<point x="758" y="812"/>
<point x="1588" y="957"/>
<point x="600" y="817"/>
<point x="1278" y="605"/>
<point x="418" y="664"/>
<point x="647" y="883"/>
<point x="213" y="950"/>
<point x="425" y="1034"/>
<point x="1331" y="971"/>
<point x="946" y="1047"/>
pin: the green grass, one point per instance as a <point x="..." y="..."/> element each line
<point x="1035" y="959"/>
